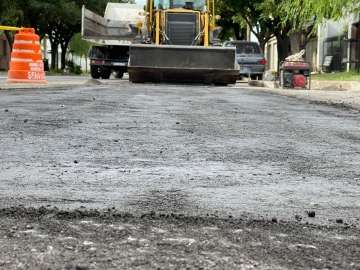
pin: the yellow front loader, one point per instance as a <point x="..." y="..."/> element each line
<point x="177" y="41"/>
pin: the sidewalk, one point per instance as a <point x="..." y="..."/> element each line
<point x="316" y="85"/>
<point x="344" y="94"/>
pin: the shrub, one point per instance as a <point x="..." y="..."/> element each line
<point x="56" y="71"/>
<point x="73" y="68"/>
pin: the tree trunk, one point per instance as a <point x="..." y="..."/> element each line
<point x="9" y="38"/>
<point x="283" y="44"/>
<point x="295" y="39"/>
<point x="63" y="56"/>
<point x="53" y="55"/>
<point x="283" y="40"/>
<point x="263" y="39"/>
<point x="236" y="27"/>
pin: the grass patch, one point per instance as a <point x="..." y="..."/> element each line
<point x="341" y="76"/>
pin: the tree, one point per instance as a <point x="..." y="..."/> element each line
<point x="66" y="21"/>
<point x="37" y="13"/>
<point x="265" y="21"/>
<point x="61" y="28"/>
<point x="231" y="28"/>
<point x="60" y="20"/>
<point x="10" y="15"/>
<point x="79" y="46"/>
<point x="303" y="12"/>
<point x="262" y="27"/>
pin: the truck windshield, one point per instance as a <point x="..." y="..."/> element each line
<point x="168" y="4"/>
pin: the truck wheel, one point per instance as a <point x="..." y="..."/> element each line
<point x="119" y="74"/>
<point x="105" y="72"/>
<point x="94" y="71"/>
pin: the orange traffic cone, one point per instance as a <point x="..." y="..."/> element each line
<point x="26" y="65"/>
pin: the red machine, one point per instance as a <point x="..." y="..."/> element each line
<point x="294" y="74"/>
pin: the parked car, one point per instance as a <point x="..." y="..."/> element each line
<point x="250" y="57"/>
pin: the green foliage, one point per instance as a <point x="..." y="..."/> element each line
<point x="229" y="26"/>
<point x="9" y="14"/>
<point x="342" y="76"/>
<point x="73" y="68"/>
<point x="79" y="46"/>
<point x="257" y="14"/>
<point x="56" y="71"/>
<point x="301" y="12"/>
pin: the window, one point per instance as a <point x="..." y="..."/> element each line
<point x="166" y="4"/>
<point x="337" y="48"/>
<point x="245" y="48"/>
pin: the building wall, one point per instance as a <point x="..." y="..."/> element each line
<point x="311" y="53"/>
<point x="314" y="48"/>
<point x="46" y="53"/>
<point x="271" y="55"/>
<point x="331" y="29"/>
<point x="5" y="53"/>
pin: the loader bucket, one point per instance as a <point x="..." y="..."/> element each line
<point x="171" y="63"/>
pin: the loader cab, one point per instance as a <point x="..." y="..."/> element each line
<point x="180" y="4"/>
<point x="178" y="22"/>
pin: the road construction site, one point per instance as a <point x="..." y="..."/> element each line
<point x="106" y="174"/>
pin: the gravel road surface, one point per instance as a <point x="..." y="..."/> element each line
<point x="142" y="176"/>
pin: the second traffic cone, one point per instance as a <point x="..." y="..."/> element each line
<point x="26" y="65"/>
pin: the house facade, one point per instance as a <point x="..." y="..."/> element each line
<point x="311" y="55"/>
<point x="339" y="39"/>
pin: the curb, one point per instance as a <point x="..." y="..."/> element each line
<point x="316" y="85"/>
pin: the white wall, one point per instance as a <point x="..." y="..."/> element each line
<point x="330" y="29"/>
<point x="46" y="54"/>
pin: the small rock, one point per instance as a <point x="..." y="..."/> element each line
<point x="274" y="219"/>
<point x="75" y="161"/>
<point x="6" y="110"/>
<point x="81" y="267"/>
<point x="339" y="220"/>
<point x="311" y="213"/>
<point x="297" y="217"/>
